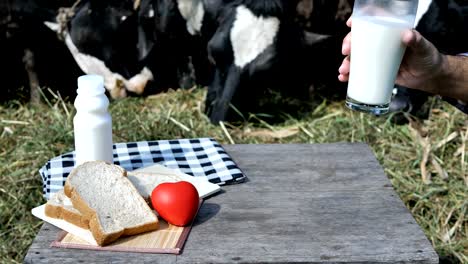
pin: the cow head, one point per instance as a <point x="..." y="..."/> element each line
<point x="243" y="48"/>
<point x="107" y="29"/>
<point x="257" y="46"/>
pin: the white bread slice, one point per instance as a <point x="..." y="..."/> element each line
<point x="60" y="207"/>
<point x="109" y="201"/>
<point x="145" y="182"/>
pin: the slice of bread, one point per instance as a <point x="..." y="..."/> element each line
<point x="145" y="182"/>
<point x="60" y="207"/>
<point x="109" y="201"/>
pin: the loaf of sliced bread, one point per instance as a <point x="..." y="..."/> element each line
<point x="60" y="207"/>
<point x="105" y="197"/>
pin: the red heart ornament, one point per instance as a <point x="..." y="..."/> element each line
<point x="176" y="202"/>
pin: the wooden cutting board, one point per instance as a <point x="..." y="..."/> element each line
<point x="167" y="239"/>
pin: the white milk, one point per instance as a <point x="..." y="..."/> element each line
<point x="376" y="54"/>
<point x="92" y="123"/>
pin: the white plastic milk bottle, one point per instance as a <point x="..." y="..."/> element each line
<point x="92" y="123"/>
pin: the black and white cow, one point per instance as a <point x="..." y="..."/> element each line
<point x="259" y="45"/>
<point x="142" y="47"/>
<point x="173" y="35"/>
<point x="102" y="36"/>
<point x="445" y="24"/>
<point x="107" y="30"/>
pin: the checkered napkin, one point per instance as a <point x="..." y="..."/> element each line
<point x="201" y="157"/>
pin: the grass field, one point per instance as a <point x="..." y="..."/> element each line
<point x="435" y="148"/>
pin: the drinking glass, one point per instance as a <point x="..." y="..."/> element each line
<point x="377" y="51"/>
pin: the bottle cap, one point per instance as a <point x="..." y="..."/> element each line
<point x="90" y="85"/>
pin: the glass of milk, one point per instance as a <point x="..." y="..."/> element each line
<point x="377" y="51"/>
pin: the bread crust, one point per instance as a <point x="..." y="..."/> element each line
<point x="60" y="212"/>
<point x="90" y="215"/>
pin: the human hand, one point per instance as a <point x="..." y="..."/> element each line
<point x="345" y="50"/>
<point x="421" y="63"/>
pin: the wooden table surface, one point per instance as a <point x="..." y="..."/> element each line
<point x="302" y="203"/>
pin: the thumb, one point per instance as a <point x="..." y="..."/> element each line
<point x="410" y="38"/>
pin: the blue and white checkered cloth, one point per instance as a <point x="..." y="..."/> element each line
<point x="201" y="157"/>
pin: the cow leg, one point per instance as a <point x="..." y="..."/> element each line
<point x="202" y="66"/>
<point x="213" y="92"/>
<point x="185" y="73"/>
<point x="28" y="60"/>
<point x="222" y="103"/>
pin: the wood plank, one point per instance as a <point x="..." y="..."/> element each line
<point x="301" y="204"/>
<point x="341" y="166"/>
<point x="359" y="227"/>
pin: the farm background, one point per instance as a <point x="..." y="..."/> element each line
<point x="426" y="159"/>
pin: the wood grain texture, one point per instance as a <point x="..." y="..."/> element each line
<point x="324" y="203"/>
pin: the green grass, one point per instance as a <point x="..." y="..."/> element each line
<point x="32" y="134"/>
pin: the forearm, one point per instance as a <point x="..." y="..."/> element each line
<point x="452" y="81"/>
